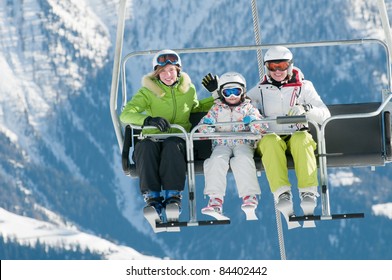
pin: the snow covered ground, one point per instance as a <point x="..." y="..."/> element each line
<point x="28" y="231"/>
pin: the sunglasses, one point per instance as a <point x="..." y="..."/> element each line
<point x="164" y="59"/>
<point x="226" y="92"/>
<point x="281" y="66"/>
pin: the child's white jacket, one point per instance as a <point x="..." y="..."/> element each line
<point x="221" y="112"/>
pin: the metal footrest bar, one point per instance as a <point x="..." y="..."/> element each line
<point x="330" y="217"/>
<point x="197" y="223"/>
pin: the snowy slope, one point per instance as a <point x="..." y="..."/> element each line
<point x="28" y="231"/>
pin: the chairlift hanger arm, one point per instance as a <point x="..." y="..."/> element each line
<point x="116" y="73"/>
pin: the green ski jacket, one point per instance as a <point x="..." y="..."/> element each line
<point x="174" y="103"/>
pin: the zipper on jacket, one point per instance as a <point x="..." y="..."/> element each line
<point x="174" y="105"/>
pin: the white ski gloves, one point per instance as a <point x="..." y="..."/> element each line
<point x="297" y="110"/>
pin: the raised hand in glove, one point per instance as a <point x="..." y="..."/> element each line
<point x="296" y="110"/>
<point x="161" y="123"/>
<point x="210" y="83"/>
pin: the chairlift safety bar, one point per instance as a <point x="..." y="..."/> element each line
<point x="193" y="136"/>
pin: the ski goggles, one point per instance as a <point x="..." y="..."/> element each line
<point x="281" y="65"/>
<point x="226" y="92"/>
<point x="164" y="59"/>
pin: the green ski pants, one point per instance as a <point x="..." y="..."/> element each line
<point x="301" y="146"/>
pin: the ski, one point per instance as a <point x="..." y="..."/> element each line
<point x="215" y="214"/>
<point x="172" y="215"/>
<point x="153" y="218"/>
<point x="250" y="211"/>
<point x="309" y="224"/>
<point x="308" y="204"/>
<point x="286" y="208"/>
<point x="291" y="224"/>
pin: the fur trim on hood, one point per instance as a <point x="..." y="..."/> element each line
<point x="153" y="84"/>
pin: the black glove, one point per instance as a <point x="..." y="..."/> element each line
<point x="161" y="123"/>
<point x="210" y="82"/>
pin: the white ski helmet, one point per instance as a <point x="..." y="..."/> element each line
<point x="231" y="78"/>
<point x="279" y="53"/>
<point x="164" y="57"/>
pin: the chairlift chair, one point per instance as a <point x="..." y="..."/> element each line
<point x="355" y="134"/>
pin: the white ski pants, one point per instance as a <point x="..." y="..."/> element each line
<point x="240" y="159"/>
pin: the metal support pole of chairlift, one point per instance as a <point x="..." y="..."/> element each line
<point x="191" y="182"/>
<point x="261" y="74"/>
<point x="116" y="73"/>
<point x="388" y="36"/>
<point x="385" y="23"/>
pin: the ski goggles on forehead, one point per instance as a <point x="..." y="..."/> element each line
<point x="226" y="92"/>
<point x="164" y="59"/>
<point x="281" y="65"/>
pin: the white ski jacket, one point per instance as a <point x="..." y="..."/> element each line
<point x="221" y="112"/>
<point x="274" y="99"/>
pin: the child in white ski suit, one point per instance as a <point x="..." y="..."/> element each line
<point x="232" y="106"/>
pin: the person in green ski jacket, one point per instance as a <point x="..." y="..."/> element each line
<point x="167" y="96"/>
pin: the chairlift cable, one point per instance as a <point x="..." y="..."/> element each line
<point x="260" y="64"/>
<point x="257" y="33"/>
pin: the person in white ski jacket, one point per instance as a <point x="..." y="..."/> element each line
<point x="284" y="91"/>
<point x="232" y="106"/>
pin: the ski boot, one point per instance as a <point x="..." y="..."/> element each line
<point x="249" y="205"/>
<point x="214" y="208"/>
<point x="285" y="206"/>
<point x="308" y="203"/>
<point x="172" y="205"/>
<point x="153" y="210"/>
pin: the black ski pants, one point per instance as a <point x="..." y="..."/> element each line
<point x="161" y="165"/>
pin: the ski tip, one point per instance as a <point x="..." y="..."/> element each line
<point x="293" y="225"/>
<point x="309" y="224"/>
<point x="250" y="213"/>
<point x="215" y="215"/>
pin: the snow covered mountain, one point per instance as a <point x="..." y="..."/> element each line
<point x="29" y="231"/>
<point x="59" y="158"/>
